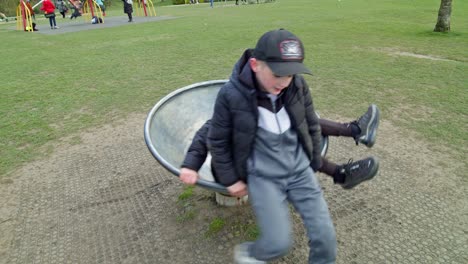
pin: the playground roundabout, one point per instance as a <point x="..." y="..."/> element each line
<point x="101" y="197"/>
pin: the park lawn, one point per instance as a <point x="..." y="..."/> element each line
<point x="360" y="52"/>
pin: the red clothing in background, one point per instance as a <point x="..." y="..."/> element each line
<point x="48" y="7"/>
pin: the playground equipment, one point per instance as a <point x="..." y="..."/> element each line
<point x="92" y="9"/>
<point x="144" y="8"/>
<point x="24" y="19"/>
<point x="174" y="120"/>
<point x="24" y="16"/>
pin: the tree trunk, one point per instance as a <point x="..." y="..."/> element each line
<point x="443" y="20"/>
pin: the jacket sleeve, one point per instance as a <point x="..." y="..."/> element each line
<point x="314" y="128"/>
<point x="198" y="150"/>
<point x="220" y="140"/>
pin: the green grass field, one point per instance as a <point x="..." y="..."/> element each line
<point x="360" y="52"/>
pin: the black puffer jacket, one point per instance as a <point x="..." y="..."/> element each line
<point x="234" y="123"/>
<point x="198" y="150"/>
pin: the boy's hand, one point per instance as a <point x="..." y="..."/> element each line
<point x="316" y="164"/>
<point x="188" y="176"/>
<point x="238" y="189"/>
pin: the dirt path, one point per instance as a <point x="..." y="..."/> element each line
<point x="106" y="200"/>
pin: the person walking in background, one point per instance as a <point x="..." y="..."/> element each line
<point x="128" y="9"/>
<point x="49" y="11"/>
<point x="62" y="7"/>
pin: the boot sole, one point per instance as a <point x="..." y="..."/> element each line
<point x="371" y="130"/>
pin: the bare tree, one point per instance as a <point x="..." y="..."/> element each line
<point x="443" y="20"/>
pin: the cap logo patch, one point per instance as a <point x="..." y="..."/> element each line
<point x="291" y="50"/>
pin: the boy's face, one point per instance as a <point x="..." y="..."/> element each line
<point x="268" y="81"/>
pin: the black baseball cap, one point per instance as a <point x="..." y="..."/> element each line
<point x="282" y="51"/>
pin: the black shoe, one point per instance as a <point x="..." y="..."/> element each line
<point x="359" y="171"/>
<point x="368" y="124"/>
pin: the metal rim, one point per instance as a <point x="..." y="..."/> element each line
<point x="202" y="183"/>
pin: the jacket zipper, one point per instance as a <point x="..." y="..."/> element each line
<point x="276" y="115"/>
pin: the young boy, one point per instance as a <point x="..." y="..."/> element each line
<point x="363" y="130"/>
<point x="264" y="131"/>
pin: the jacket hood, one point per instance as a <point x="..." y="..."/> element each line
<point x="244" y="80"/>
<point x="242" y="77"/>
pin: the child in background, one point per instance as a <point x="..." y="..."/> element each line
<point x="62" y="7"/>
<point x="49" y="11"/>
<point x="76" y="6"/>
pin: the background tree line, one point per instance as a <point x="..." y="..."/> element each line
<point x="8" y="7"/>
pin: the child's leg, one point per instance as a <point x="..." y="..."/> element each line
<point x="53" y="21"/>
<point x="268" y="199"/>
<point x="50" y="22"/>
<point x="305" y="193"/>
<point x="330" y="168"/>
<point x="351" y="174"/>
<point x="332" y="128"/>
<point x="363" y="130"/>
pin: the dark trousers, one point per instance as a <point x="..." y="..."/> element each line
<point x="52" y="21"/>
<point x="332" y="128"/>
